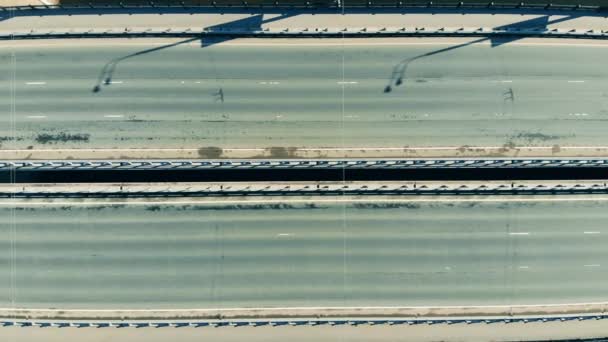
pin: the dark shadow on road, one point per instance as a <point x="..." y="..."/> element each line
<point x="399" y="71"/>
<point x="398" y="74"/>
<point x="106" y="74"/>
<point x="539" y="23"/>
<point x="252" y="23"/>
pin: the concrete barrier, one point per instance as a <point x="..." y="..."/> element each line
<point x="315" y="315"/>
<point x="444" y="188"/>
<point x="297" y="322"/>
<point x="409" y="163"/>
<point x="336" y="32"/>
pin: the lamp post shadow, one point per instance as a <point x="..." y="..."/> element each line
<point x="399" y="71"/>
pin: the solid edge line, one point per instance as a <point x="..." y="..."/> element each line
<point x="303" y="308"/>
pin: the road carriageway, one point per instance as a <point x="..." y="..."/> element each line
<point x="299" y="189"/>
<point x="284" y="257"/>
<point x="267" y="113"/>
<point x="23" y="165"/>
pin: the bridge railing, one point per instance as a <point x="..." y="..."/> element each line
<point x="295" y="322"/>
<point x="34" y="165"/>
<point x="316" y="32"/>
<point x="320" y="189"/>
<point x="580" y="5"/>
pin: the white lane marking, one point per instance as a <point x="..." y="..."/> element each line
<point x="448" y="268"/>
<point x="348" y="82"/>
<point x="36" y="116"/>
<point x="591" y="232"/>
<point x="576" y="81"/>
<point x="269" y="82"/>
<point x="116" y="82"/>
<point x="283" y="234"/>
<point x="198" y="82"/>
<point x="519" y="233"/>
<point x="113" y="116"/>
<point x="578" y="114"/>
<point x="35" y="83"/>
<point x="524" y="267"/>
<point x="592" y="265"/>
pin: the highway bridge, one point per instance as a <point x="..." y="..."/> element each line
<point x="281" y="182"/>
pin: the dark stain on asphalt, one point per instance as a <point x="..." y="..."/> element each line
<point x="61" y="137"/>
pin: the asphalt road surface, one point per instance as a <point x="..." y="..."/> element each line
<point x="284" y="96"/>
<point x="473" y="251"/>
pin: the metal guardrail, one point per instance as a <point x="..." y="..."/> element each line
<point x="320" y="189"/>
<point x="312" y="4"/>
<point x="296" y="322"/>
<point x="25" y="165"/>
<point x="323" y="32"/>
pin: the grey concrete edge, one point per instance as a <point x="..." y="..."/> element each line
<point x="307" y="5"/>
<point x="279" y="189"/>
<point x="317" y="32"/>
<point x="446" y="312"/>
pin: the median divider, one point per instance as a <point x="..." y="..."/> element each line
<point x="447" y="188"/>
<point x="410" y="163"/>
<point x="298" y="322"/>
